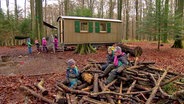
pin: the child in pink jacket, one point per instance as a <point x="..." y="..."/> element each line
<point x="44" y="44"/>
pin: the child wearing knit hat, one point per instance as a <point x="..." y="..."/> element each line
<point x="72" y="73"/>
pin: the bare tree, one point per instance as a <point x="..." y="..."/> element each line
<point x="90" y="4"/>
<point x="66" y="3"/>
<point x="119" y="10"/>
<point x="127" y="19"/>
<point x="25" y="9"/>
<point x="111" y="8"/>
<point x="16" y="11"/>
<point x="33" y="22"/>
<point x="7" y="5"/>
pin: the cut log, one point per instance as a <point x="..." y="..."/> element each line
<point x="42" y="89"/>
<point x="133" y="51"/>
<point x="95" y="83"/>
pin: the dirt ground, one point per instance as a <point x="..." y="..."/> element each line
<point x="25" y="69"/>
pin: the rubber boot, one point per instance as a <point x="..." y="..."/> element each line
<point x="107" y="70"/>
<point x="110" y="78"/>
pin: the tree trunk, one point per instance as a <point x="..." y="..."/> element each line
<point x="84" y="49"/>
<point x="16" y="12"/>
<point x="137" y="18"/>
<point x="33" y="22"/>
<point x="158" y="16"/>
<point x="66" y="3"/>
<point x="25" y="9"/>
<point x="119" y="9"/>
<point x="178" y="24"/>
<point x="39" y="19"/>
<point x="127" y="19"/>
<point x="166" y="13"/>
<point x="7" y="5"/>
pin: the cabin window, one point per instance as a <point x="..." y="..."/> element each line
<point x="84" y="27"/>
<point x="101" y="27"/>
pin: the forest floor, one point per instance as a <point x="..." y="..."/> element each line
<point x="25" y="69"/>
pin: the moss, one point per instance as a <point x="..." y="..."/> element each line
<point x="170" y="88"/>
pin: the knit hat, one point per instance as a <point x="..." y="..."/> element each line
<point x="117" y="49"/>
<point x="109" y="49"/>
<point x="70" y="62"/>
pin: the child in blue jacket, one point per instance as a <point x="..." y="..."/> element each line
<point x="72" y="73"/>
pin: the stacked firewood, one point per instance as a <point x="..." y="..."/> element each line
<point x="140" y="84"/>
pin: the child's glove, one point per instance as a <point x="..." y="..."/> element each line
<point x="72" y="76"/>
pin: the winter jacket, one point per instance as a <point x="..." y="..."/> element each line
<point x="121" y="60"/>
<point x="72" y="76"/>
<point x="29" y="44"/>
<point x="110" y="58"/>
<point x="44" y="42"/>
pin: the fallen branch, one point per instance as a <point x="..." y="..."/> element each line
<point x="131" y="87"/>
<point x="93" y="100"/>
<point x="67" y="89"/>
<point x="110" y="84"/>
<point x="156" y="87"/>
<point x="36" y="95"/>
<point x="107" y="96"/>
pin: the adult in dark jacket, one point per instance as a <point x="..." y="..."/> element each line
<point x="120" y="63"/>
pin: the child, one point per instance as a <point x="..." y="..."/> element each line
<point x="110" y="58"/>
<point x="72" y="73"/>
<point x="120" y="63"/>
<point x="114" y="46"/>
<point x="44" y="44"/>
<point x="37" y="46"/>
<point x="29" y="45"/>
<point x="56" y="42"/>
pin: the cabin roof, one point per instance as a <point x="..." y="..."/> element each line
<point x="89" y="18"/>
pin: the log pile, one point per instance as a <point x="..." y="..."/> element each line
<point x="141" y="84"/>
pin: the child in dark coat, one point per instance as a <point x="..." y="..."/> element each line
<point x="72" y="73"/>
<point x="37" y="45"/>
<point x="110" y="58"/>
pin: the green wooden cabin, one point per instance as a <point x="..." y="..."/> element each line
<point x="80" y="30"/>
